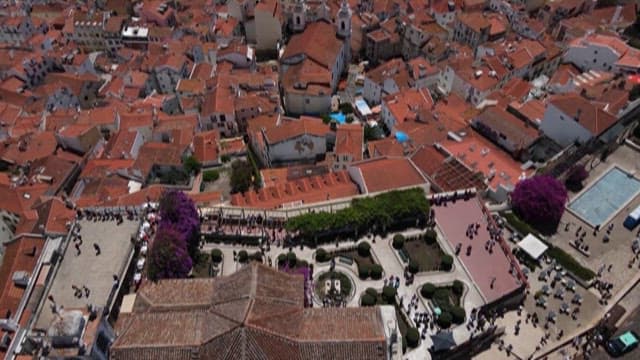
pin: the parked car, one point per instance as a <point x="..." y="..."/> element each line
<point x="622" y="344"/>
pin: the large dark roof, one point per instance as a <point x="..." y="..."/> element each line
<point x="256" y="313"/>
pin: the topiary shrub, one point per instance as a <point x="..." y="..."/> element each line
<point x="368" y="300"/>
<point x="364" y="249"/>
<point x="446" y="262"/>
<point x="371" y="291"/>
<point x="216" y="255"/>
<point x="376" y="272"/>
<point x="243" y="256"/>
<point x="430" y="236"/>
<point x="321" y="255"/>
<point x="363" y="271"/>
<point x="413" y="267"/>
<point x="457" y="315"/>
<point x="441" y="296"/>
<point x="256" y="256"/>
<point x="427" y="290"/>
<point x="292" y="259"/>
<point x="398" y="241"/>
<point x="413" y="338"/>
<point x="389" y="294"/>
<point x="444" y="320"/>
<point x="281" y="259"/>
<point x="457" y="287"/>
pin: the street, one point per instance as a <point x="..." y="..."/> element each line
<point x="631" y="323"/>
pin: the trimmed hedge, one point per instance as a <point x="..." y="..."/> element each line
<point x="389" y="294"/>
<point x="430" y="236"/>
<point x="413" y="337"/>
<point x="427" y="290"/>
<point x="243" y="256"/>
<point x="444" y="320"/>
<point x="282" y="258"/>
<point x="570" y="264"/>
<point x="398" y="241"/>
<point x="457" y="287"/>
<point x="216" y="255"/>
<point x="321" y="255"/>
<point x="368" y="300"/>
<point x="457" y="314"/>
<point x="364" y="249"/>
<point x="413" y="267"/>
<point x="371" y="291"/>
<point x="292" y="259"/>
<point x="363" y="271"/>
<point x="447" y="262"/>
<point x="376" y="272"/>
<point x="256" y="256"/>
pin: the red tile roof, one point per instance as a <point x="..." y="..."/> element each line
<point x="291" y="128"/>
<point x="19" y="255"/>
<point x="205" y="146"/>
<point x="591" y="117"/>
<point x="384" y="174"/>
<point x="350" y="140"/>
<point x="306" y="190"/>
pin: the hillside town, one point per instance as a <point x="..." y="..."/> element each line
<point x="319" y="179"/>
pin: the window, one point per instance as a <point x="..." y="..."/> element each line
<point x="223" y="118"/>
<point x="297" y="20"/>
<point x="307" y="101"/>
<point x="342" y="26"/>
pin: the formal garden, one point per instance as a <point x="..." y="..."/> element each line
<point x="360" y="255"/>
<point x="333" y="288"/>
<point x="445" y="302"/>
<point x="422" y="252"/>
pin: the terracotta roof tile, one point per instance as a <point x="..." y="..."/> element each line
<point x="383" y="174"/>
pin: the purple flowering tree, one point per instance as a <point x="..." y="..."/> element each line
<point x="179" y="211"/>
<point x="168" y="256"/>
<point x="540" y="201"/>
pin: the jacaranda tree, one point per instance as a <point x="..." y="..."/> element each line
<point x="179" y="211"/>
<point x="168" y="256"/>
<point x="540" y="201"/>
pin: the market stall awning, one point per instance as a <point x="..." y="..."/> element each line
<point x="533" y="246"/>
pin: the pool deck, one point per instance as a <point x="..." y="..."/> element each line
<point x="591" y="186"/>
<point x="618" y="250"/>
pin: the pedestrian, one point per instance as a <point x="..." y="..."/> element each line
<point x="97" y="249"/>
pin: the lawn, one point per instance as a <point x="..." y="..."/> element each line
<point x="427" y="256"/>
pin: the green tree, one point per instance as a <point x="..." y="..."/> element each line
<point x="447" y="262"/>
<point x="326" y="118"/>
<point x="321" y="255"/>
<point x="216" y="255"/>
<point x="376" y="272"/>
<point x="241" y="176"/>
<point x="389" y="294"/>
<point x="210" y="175"/>
<point x="191" y="165"/>
<point x="368" y="300"/>
<point x="398" y="241"/>
<point x="444" y="320"/>
<point x="243" y="256"/>
<point x="364" y="249"/>
<point x="427" y="290"/>
<point x="457" y="314"/>
<point x="413" y="337"/>
<point x="457" y="287"/>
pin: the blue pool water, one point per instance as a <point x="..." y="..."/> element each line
<point x="339" y="117"/>
<point x="605" y="197"/>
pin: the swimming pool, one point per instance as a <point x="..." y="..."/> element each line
<point x="606" y="196"/>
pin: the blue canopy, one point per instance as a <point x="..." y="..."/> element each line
<point x="339" y="117"/>
<point x="401" y="137"/>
